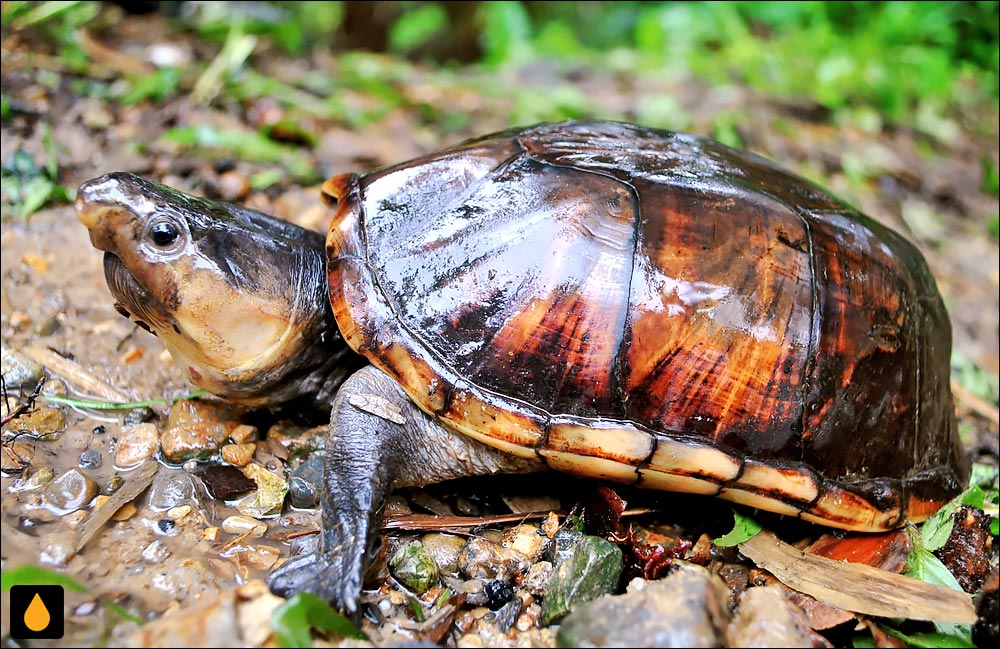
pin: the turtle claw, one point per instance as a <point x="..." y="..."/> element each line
<point x="321" y="575"/>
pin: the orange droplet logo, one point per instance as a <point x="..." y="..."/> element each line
<point x="36" y="616"/>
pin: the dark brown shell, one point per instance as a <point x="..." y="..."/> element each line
<point x="656" y="308"/>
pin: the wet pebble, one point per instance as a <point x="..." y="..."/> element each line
<point x="42" y="423"/>
<point x="526" y="539"/>
<point x="498" y="593"/>
<point x="765" y="618"/>
<point x="243" y="434"/>
<point x="563" y="544"/>
<point x="485" y="559"/>
<point x="538" y="578"/>
<point x="198" y="441"/>
<point x="138" y="443"/>
<point x="414" y="568"/>
<point x="156" y="552"/>
<point x="71" y="491"/>
<point x="138" y="416"/>
<point x="445" y="549"/>
<point x="91" y="459"/>
<point x="686" y="609"/>
<point x="240" y="525"/>
<point x="238" y="454"/>
<point x="196" y="430"/>
<point x="170" y="489"/>
<point x="18" y="370"/>
<point x="269" y="497"/>
<point x="167" y="526"/>
<point x="56" y="549"/>
<point x="297" y="439"/>
<point x="224" y="482"/>
<point x="591" y="571"/>
<point x="305" y="483"/>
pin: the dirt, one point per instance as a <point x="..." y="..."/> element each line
<point x="54" y="295"/>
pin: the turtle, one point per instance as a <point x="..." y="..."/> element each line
<point x="600" y="298"/>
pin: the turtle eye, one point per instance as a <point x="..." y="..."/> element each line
<point x="164" y="234"/>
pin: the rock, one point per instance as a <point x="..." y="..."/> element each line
<point x="18" y="370"/>
<point x="243" y="434"/>
<point x="138" y="443"/>
<point x="482" y="559"/>
<point x="765" y="618"/>
<point x="564" y="542"/>
<point x="305" y="483"/>
<point x="91" y="459"/>
<point x="196" y="430"/>
<point x="414" y="568"/>
<point x="538" y="578"/>
<point x="445" y="549"/>
<point x="40" y="423"/>
<point x="156" y="552"/>
<point x="269" y="496"/>
<point x="71" y="491"/>
<point x="198" y="441"/>
<point x="593" y="570"/>
<point x="224" y="482"/>
<point x="241" y="525"/>
<point x="235" y="618"/>
<point x="297" y="439"/>
<point x="686" y="609"/>
<point x="170" y="489"/>
<point x="526" y="539"/>
<point x="238" y="454"/>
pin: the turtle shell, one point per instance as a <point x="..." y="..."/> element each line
<point x="659" y="309"/>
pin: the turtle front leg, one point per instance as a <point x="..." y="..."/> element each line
<point x="378" y="441"/>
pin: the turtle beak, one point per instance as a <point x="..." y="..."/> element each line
<point x="95" y="198"/>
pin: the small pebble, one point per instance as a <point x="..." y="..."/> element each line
<point x="71" y="491"/>
<point x="170" y="489"/>
<point x="91" y="459"/>
<point x="240" y="525"/>
<point x="155" y="552"/>
<point x="498" y="593"/>
<point x="166" y="525"/>
<point x="238" y="454"/>
<point x="179" y="513"/>
<point x="138" y="443"/>
<point x="18" y="370"/>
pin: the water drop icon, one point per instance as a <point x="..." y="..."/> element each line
<point x="36" y="616"/>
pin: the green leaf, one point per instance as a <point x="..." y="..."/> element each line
<point x="936" y="529"/>
<point x="744" y="529"/>
<point x="929" y="639"/>
<point x="506" y="38"/>
<point x="34" y="575"/>
<point x="245" y="145"/>
<point x="157" y="86"/>
<point x="293" y="620"/>
<point x="414" y="28"/>
<point x="926" y="567"/>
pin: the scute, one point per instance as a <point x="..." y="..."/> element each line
<point x="598" y="293"/>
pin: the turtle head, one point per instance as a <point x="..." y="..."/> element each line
<point x="237" y="297"/>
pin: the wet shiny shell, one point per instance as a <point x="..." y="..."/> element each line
<point x="659" y="309"/>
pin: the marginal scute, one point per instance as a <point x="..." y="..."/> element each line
<point x="627" y="445"/>
<point x="589" y="466"/>
<point x="787" y="484"/>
